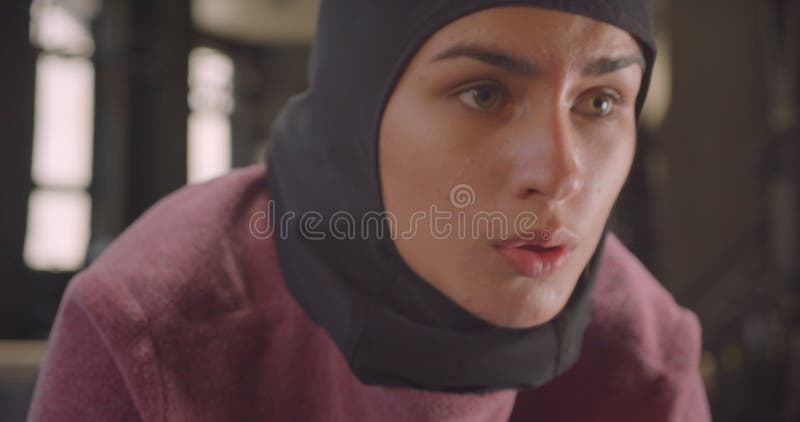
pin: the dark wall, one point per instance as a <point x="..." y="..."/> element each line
<point x="720" y="203"/>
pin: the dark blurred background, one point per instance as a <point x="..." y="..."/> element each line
<point x="108" y="105"/>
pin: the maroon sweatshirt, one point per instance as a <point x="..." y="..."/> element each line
<point x="186" y="317"/>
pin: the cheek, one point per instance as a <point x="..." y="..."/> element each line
<point x="410" y="161"/>
<point x="422" y="151"/>
<point x="608" y="165"/>
<point x="619" y="164"/>
<point x="611" y="145"/>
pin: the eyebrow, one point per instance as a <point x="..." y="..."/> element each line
<point x="606" y="65"/>
<point x="523" y="67"/>
<point x="510" y="63"/>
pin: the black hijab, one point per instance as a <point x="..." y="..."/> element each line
<point x="392" y="327"/>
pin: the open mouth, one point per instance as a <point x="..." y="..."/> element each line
<point x="534" y="261"/>
<point x="537" y="248"/>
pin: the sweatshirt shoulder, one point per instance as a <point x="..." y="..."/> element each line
<point x="639" y="359"/>
<point x="100" y="345"/>
<point x="633" y="310"/>
<point x="182" y="254"/>
<point x="643" y="341"/>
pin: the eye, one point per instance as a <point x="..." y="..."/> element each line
<point x="597" y="104"/>
<point x="484" y="97"/>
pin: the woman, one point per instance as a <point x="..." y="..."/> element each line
<point x="427" y="243"/>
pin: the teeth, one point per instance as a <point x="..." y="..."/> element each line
<point x="536" y="248"/>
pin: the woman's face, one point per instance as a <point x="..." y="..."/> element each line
<point x="502" y="150"/>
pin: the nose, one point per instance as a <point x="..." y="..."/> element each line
<point x="547" y="156"/>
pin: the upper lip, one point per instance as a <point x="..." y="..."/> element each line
<point x="543" y="238"/>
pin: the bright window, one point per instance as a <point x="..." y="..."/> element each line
<point x="210" y="104"/>
<point x="59" y="207"/>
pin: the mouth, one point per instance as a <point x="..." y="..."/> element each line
<point x="539" y="257"/>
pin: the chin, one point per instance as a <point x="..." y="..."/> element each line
<point x="537" y="303"/>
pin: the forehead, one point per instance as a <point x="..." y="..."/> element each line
<point x="548" y="36"/>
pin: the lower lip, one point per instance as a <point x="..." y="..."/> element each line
<point x="535" y="263"/>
